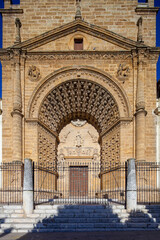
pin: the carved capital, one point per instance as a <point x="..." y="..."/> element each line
<point x="140" y="111"/>
<point x="140" y="105"/>
<point x="16" y="112"/>
<point x="15" y="55"/>
<point x="17" y="107"/>
<point x="143" y="53"/>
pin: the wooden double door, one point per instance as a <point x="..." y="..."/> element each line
<point x="78" y="178"/>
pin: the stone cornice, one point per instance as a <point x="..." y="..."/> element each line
<point x="151" y="53"/>
<point x="120" y="121"/>
<point x="146" y="10"/>
<point x="78" y="25"/>
<point x="11" y="11"/>
<point x="35" y="120"/>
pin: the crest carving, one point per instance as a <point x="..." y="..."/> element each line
<point x="34" y="73"/>
<point x="123" y="72"/>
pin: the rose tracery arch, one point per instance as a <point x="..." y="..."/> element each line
<point x="79" y="99"/>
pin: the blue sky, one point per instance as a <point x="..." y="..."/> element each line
<point x="156" y="3"/>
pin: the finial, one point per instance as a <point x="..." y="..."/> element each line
<point x="78" y="11"/>
<point x="18" y="26"/>
<point x="139" y="35"/>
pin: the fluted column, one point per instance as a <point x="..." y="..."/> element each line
<point x="17" y="111"/>
<point x="140" y="109"/>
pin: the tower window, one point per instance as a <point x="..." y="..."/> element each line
<point x="78" y="44"/>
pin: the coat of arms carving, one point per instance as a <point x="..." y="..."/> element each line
<point x="34" y="73"/>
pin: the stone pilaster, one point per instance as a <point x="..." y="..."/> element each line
<point x="17" y="111"/>
<point x="140" y="108"/>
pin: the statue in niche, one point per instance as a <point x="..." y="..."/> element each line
<point x="79" y="140"/>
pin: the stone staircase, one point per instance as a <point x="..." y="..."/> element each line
<point x="60" y="218"/>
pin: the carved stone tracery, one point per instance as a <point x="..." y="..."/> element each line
<point x="111" y="148"/>
<point x="47" y="148"/>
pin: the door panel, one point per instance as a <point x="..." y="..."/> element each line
<point x="79" y="181"/>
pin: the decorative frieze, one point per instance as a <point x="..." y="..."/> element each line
<point x="70" y="55"/>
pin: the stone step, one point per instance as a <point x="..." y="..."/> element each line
<point x="12" y="207"/>
<point x="76" y="226"/>
<point x="50" y="218"/>
<point x="79" y="207"/>
<point x="79" y="215"/>
<point x="12" y="215"/>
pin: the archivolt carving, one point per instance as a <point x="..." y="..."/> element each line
<point x="79" y="99"/>
<point x="78" y="72"/>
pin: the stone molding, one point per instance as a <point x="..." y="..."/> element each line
<point x="148" y="53"/>
<point x="72" y="55"/>
<point x="121" y="121"/>
<point x="35" y="120"/>
<point x="147" y="10"/>
<point x="11" y="11"/>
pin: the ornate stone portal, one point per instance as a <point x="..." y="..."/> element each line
<point x="78" y="160"/>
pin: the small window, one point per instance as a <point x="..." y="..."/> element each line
<point x="78" y="44"/>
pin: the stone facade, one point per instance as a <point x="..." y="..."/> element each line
<point x="110" y="83"/>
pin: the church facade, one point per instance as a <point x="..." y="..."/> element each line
<point x="79" y="82"/>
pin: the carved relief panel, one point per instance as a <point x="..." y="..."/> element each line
<point x="79" y="140"/>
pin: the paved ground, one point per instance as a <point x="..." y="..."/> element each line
<point x="126" y="235"/>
